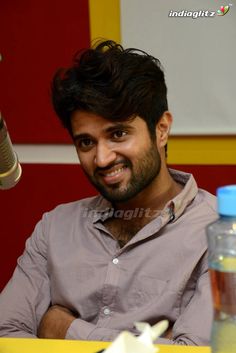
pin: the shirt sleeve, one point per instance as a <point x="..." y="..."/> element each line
<point x="26" y="297"/>
<point x="193" y="327"/>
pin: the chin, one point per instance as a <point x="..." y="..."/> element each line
<point x="118" y="196"/>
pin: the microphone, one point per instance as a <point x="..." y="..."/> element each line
<point x="10" y="169"/>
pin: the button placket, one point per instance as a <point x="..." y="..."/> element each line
<point x="109" y="293"/>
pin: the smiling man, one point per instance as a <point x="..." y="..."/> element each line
<point x="90" y="271"/>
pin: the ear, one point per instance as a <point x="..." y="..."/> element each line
<point x="163" y="128"/>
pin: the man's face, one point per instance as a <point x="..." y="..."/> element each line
<point x="119" y="158"/>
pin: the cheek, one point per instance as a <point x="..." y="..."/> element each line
<point x="86" y="162"/>
<point x="131" y="149"/>
<point x="137" y="147"/>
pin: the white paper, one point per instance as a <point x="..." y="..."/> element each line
<point x="126" y="342"/>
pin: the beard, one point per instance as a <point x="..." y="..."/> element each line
<point x="143" y="172"/>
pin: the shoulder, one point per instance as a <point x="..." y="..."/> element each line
<point x="64" y="219"/>
<point x="207" y="200"/>
<point x="74" y="208"/>
<point x="61" y="223"/>
<point x="199" y="213"/>
<point x="69" y="213"/>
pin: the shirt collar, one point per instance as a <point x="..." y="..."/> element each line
<point x="177" y="205"/>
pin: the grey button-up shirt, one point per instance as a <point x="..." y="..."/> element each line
<point x="71" y="259"/>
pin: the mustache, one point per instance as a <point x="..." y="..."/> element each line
<point x="125" y="162"/>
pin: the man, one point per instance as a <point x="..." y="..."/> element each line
<point x="137" y="252"/>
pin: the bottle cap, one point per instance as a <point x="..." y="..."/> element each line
<point x="226" y="197"/>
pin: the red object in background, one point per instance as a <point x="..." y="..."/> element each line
<point x="37" y="38"/>
<point x="44" y="186"/>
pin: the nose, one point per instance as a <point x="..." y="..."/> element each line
<point x="104" y="155"/>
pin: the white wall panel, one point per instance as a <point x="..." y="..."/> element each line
<point x="198" y="55"/>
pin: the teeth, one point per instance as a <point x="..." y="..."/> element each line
<point x="114" y="172"/>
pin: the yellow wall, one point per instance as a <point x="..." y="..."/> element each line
<point x="202" y="150"/>
<point x="104" y="19"/>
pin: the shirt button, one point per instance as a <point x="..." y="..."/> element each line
<point x="106" y="311"/>
<point x="115" y="261"/>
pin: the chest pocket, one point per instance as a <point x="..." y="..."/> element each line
<point x="140" y="290"/>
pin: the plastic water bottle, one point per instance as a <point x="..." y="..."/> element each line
<point x="221" y="236"/>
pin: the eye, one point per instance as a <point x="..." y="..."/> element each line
<point x="119" y="134"/>
<point x="85" y="144"/>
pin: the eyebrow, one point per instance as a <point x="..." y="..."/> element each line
<point x="119" y="126"/>
<point x="77" y="137"/>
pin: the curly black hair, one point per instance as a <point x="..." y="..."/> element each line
<point x="113" y="82"/>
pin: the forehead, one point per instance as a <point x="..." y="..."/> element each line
<point x="87" y="122"/>
<point x="83" y="119"/>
